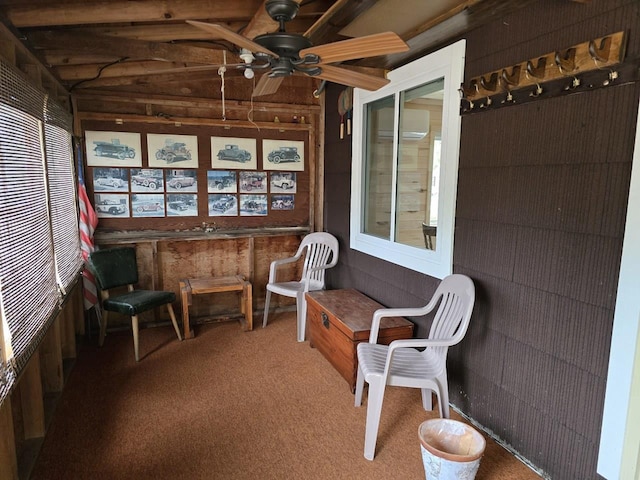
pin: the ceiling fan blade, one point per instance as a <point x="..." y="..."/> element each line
<point x="267" y="85"/>
<point x="361" y="47"/>
<point x="224" y="33"/>
<point x="351" y="78"/>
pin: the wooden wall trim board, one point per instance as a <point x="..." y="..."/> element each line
<point x="23" y="414"/>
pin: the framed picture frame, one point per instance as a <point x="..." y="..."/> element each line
<point x="234" y="153"/>
<point x="171" y="151"/>
<point x="221" y="181"/>
<point x="112" y="179"/>
<point x="147" y="205"/>
<point x="112" y="149"/>
<point x="147" y="180"/>
<point x="283" y="182"/>
<point x="109" y="205"/>
<point x="253" y="205"/>
<point x="283" y="155"/>
<point x="282" y="202"/>
<point x="254" y="182"/>
<point x="222" y="205"/>
<point x="181" y="181"/>
<point x="182" y="205"/>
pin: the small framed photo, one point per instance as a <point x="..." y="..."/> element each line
<point x="283" y="155"/>
<point x="170" y="151"/>
<point x="255" y="182"/>
<point x="113" y="149"/>
<point x="221" y="181"/>
<point x="147" y="180"/>
<point x="147" y="205"/>
<point x="182" y="205"/>
<point x="233" y="152"/>
<point x="281" y="182"/>
<point x="253" y="205"/>
<point x="221" y="205"/>
<point x="110" y="205"/>
<point x="110" y="180"/>
<point x="182" y="181"/>
<point x="282" y="202"/>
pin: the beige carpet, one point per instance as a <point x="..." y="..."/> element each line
<point x="229" y="404"/>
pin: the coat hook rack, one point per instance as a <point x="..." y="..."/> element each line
<point x="570" y="62"/>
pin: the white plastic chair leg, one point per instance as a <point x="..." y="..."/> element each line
<point x="443" y="397"/>
<point x="301" y="307"/>
<point x="374" y="408"/>
<point x="427" y="402"/>
<point x="266" y="309"/>
<point x="134" y="325"/>
<point x="359" y="388"/>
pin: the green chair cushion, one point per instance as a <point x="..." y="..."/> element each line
<point x="138" y="301"/>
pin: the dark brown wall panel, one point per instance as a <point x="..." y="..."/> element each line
<point x="542" y="199"/>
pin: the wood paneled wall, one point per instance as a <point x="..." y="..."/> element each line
<point x="542" y="197"/>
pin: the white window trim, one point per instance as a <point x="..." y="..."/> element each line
<point x="448" y="63"/>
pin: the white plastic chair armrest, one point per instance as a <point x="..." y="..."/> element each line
<point x="394" y="312"/>
<point x="276" y="263"/>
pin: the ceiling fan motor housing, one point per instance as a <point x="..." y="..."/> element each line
<point x="282" y="10"/>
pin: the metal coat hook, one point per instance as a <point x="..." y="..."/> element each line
<point x="508" y="98"/>
<point x="537" y="92"/>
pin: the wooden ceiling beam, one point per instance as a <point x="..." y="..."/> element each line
<point x="125" y="11"/>
<point x="163" y="78"/>
<point x="128" y="11"/>
<point x="126" y="69"/>
<point x="189" y="102"/>
<point x="123" y="47"/>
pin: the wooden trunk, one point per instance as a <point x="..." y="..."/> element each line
<point x="340" y="319"/>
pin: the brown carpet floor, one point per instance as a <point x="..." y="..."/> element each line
<point x="229" y="404"/>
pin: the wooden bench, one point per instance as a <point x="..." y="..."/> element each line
<point x="199" y="286"/>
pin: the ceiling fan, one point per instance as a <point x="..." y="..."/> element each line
<point x="282" y="54"/>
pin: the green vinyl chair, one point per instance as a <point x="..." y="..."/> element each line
<point x="117" y="267"/>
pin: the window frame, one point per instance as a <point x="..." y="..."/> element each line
<point x="447" y="63"/>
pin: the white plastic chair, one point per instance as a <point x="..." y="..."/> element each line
<point x="321" y="253"/>
<point x="400" y="364"/>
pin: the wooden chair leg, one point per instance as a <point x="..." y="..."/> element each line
<point x="174" y="321"/>
<point x="134" y="325"/>
<point x="103" y="327"/>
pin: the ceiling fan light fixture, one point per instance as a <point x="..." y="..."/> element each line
<point x="248" y="73"/>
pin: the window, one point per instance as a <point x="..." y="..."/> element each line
<point x="405" y="164"/>
<point x="39" y="242"/>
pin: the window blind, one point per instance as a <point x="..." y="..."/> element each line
<point x="62" y="199"/>
<point x="39" y="242"/>
<point x="27" y="271"/>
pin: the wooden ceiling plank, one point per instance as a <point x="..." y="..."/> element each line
<point x="135" y="49"/>
<point x="126" y="69"/>
<point x="125" y="11"/>
<point x="183" y="101"/>
<point x="327" y="27"/>
<point x="55" y="58"/>
<point x="163" y="78"/>
<point x="261" y="23"/>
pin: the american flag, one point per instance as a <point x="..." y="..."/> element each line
<point x="88" y="224"/>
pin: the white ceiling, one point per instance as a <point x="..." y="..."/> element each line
<point x="398" y="16"/>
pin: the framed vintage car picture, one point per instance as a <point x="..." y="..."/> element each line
<point x="235" y="153"/>
<point x="113" y="149"/>
<point x="172" y="151"/>
<point x="283" y="155"/>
